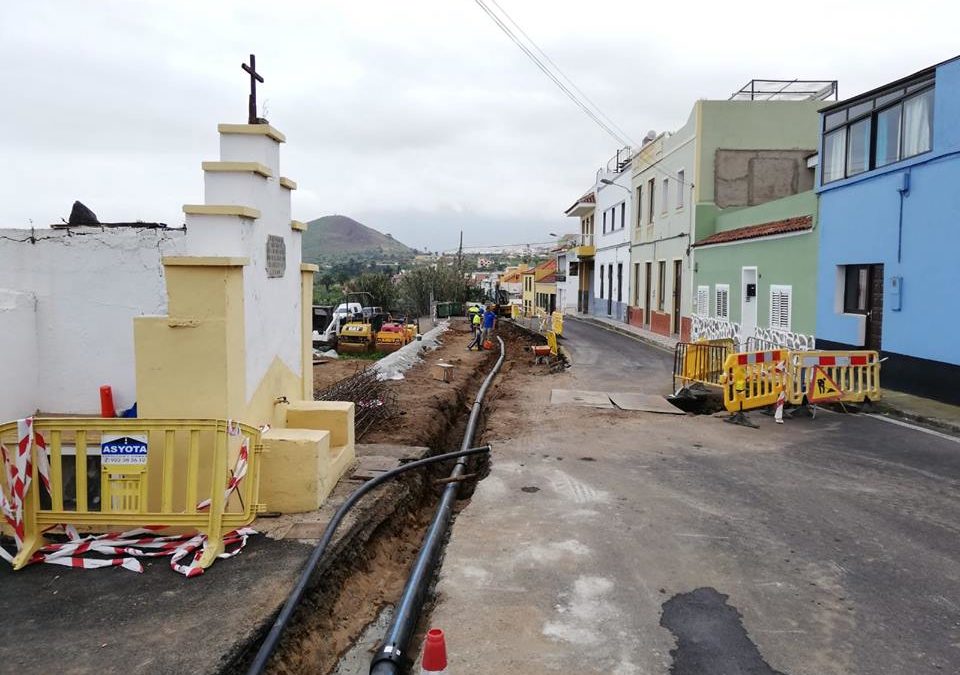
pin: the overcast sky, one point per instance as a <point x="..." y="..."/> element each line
<point x="417" y="117"/>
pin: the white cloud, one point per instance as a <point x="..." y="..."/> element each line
<point x="421" y="115"/>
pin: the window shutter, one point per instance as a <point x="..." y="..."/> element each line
<point x="722" y="301"/>
<point x="780" y="301"/>
<point x="703" y="300"/>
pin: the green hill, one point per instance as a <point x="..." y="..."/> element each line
<point x="337" y="238"/>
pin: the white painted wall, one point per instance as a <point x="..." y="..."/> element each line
<point x="613" y="247"/>
<point x="271" y="305"/>
<point x="18" y="354"/>
<point x="84" y="285"/>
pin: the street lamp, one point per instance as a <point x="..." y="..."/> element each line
<point x="607" y="181"/>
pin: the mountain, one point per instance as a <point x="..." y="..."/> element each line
<point x="337" y="238"/>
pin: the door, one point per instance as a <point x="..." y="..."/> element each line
<point x="619" y="287"/>
<point x="609" y="290"/>
<point x="874" y="327"/>
<point x="748" y="302"/>
<point x="677" y="276"/>
<point x="647" y="297"/>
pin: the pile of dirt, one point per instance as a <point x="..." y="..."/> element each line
<point x="427" y="406"/>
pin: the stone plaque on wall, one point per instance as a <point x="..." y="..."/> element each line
<point x="276" y="256"/>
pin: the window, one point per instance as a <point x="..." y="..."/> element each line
<point x="604" y="222"/>
<point x="834" y="150"/>
<point x="638" y="204"/>
<point x="780" y="297"/>
<point x="917" y="123"/>
<point x="619" y="282"/>
<point x="894" y="125"/>
<point x="703" y="300"/>
<point x="856" y="288"/>
<point x="722" y="293"/>
<point x="651" y="186"/>
<point x="888" y="136"/>
<point x="601" y="281"/>
<point x="681" y="187"/>
<point x="661" y="284"/>
<point x="858" y="147"/>
<point x="666" y="194"/>
<point x="623" y="215"/>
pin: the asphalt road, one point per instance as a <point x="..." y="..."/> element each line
<point x="607" y="541"/>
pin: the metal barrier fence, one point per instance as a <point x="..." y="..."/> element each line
<point x="754" y="379"/>
<point x="700" y="362"/>
<point x="855" y="376"/>
<point x="138" y="472"/>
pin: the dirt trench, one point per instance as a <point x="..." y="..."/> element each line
<point x="367" y="567"/>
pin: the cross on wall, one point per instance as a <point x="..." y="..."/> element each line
<point x="254" y="78"/>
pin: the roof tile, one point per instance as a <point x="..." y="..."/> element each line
<point x="797" y="224"/>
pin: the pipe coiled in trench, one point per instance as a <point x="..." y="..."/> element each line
<point x="392" y="655"/>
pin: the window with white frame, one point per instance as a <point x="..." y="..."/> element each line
<point x="722" y="300"/>
<point x="703" y="300"/>
<point x="780" y="306"/>
<point x="681" y="186"/>
<point x="666" y="195"/>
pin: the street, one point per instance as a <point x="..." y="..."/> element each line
<point x="611" y="541"/>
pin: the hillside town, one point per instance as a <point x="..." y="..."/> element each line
<point x="391" y="376"/>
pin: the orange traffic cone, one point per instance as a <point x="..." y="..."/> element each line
<point x="106" y="402"/>
<point x="434" y="660"/>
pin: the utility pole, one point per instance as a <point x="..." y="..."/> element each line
<point x="460" y="253"/>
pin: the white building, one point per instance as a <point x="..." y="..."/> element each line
<point x="568" y="281"/>
<point x="614" y="213"/>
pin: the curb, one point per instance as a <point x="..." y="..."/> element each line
<point x="620" y="331"/>
<point x="921" y="420"/>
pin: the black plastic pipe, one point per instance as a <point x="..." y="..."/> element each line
<point x="270" y="643"/>
<point x="392" y="656"/>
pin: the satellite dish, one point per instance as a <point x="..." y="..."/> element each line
<point x="649" y="137"/>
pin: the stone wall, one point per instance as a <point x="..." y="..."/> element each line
<point x="751" y="177"/>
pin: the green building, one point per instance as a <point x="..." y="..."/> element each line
<point x="755" y="275"/>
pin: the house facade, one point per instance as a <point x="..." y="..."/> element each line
<point x="568" y="280"/>
<point x="887" y="279"/>
<point x="614" y="213"/>
<point x="584" y="253"/>
<point x="773" y="248"/>
<point x="729" y="154"/>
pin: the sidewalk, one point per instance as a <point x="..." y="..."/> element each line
<point x="921" y="410"/>
<point x="665" y="342"/>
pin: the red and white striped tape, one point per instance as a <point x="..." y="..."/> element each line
<point x="760" y="357"/>
<point x="842" y="361"/>
<point x="126" y="547"/>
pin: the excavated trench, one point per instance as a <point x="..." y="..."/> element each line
<point x="364" y="572"/>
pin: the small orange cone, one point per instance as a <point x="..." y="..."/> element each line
<point x="434" y="660"/>
<point x="106" y="402"/>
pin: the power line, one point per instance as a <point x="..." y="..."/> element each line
<point x="572" y="84"/>
<point x="546" y="71"/>
<point x="609" y="126"/>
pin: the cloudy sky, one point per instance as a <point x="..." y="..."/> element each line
<point x="417" y="117"/>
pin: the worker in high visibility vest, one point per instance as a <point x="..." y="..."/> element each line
<point x="476" y="323"/>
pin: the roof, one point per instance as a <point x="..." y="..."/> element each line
<point x="545" y="269"/>
<point x="930" y="70"/>
<point x="549" y="279"/>
<point x="798" y="224"/>
<point x="588" y="198"/>
<point x="511" y="277"/>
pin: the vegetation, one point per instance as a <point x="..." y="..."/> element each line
<point x="332" y="239"/>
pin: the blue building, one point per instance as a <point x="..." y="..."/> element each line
<point x="888" y="275"/>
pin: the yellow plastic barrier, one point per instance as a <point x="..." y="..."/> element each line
<point x="552" y="343"/>
<point x="850" y="376"/>
<point x="754" y="379"/>
<point x="139" y="472"/>
<point x="701" y="362"/>
<point x="558" y="323"/>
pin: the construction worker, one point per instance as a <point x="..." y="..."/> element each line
<point x="476" y="323"/>
<point x="489" y="323"/>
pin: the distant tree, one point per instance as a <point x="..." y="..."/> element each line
<point x="379" y="286"/>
